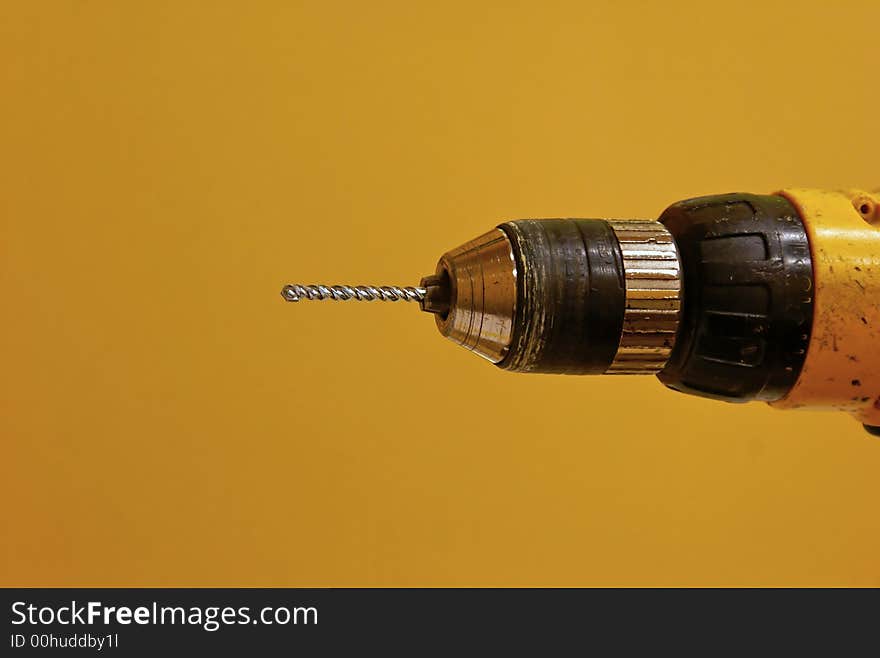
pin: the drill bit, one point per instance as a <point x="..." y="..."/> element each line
<point x="295" y="292"/>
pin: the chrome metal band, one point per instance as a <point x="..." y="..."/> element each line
<point x="653" y="297"/>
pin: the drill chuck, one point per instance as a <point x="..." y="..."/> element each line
<point x="569" y="296"/>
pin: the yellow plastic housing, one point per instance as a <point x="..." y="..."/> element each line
<point x="842" y="366"/>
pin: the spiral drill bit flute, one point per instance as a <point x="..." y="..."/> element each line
<point x="735" y="297"/>
<point x="295" y="292"/>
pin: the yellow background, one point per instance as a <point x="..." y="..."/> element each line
<point x="168" y="420"/>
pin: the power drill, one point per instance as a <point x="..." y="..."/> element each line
<point x="735" y="297"/>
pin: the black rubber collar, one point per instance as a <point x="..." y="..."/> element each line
<point x="571" y="296"/>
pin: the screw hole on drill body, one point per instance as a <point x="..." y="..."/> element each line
<point x="867" y="209"/>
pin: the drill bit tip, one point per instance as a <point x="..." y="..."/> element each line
<point x="295" y="292"/>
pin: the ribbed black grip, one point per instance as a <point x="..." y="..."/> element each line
<point x="748" y="301"/>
